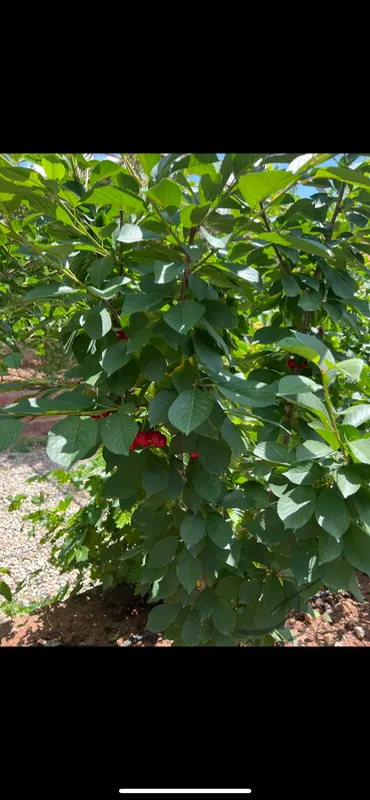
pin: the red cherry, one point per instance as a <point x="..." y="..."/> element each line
<point x="121" y="335"/>
<point x="195" y="455"/>
<point x="303" y="365"/>
<point x="291" y="363"/>
<point x="158" y="439"/>
<point x="103" y="414"/>
<point x="141" y="439"/>
<point x="321" y="332"/>
<point x="132" y="446"/>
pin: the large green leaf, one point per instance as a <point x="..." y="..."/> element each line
<point x="184" y="315"/>
<point x="214" y="455"/>
<point x="118" y="432"/>
<point x="192" y="529"/>
<point x="163" y="551"/>
<point x="256" y="186"/>
<point x="224" y="617"/>
<point x="71" y="439"/>
<point x="277" y="453"/>
<point x="360" y="449"/>
<point x="162" y="616"/>
<point x="159" y="405"/>
<point x="351" y="176"/>
<point x="152" y="363"/>
<point x="166" y="193"/>
<point x="296" y="507"/>
<point x="111" y="195"/>
<point x="205" y="484"/>
<point x="312" y="449"/>
<point x="189" y="410"/>
<point x="156" y="478"/>
<point x="302" y="344"/>
<point x="356" y="545"/>
<point x="357" y="415"/>
<point x="295" y="384"/>
<point x="218" y="530"/>
<point x="191" y="631"/>
<point x="96" y="322"/>
<point x="115" y="357"/>
<point x="188" y="570"/>
<point x="135" y="233"/>
<point x="307" y="245"/>
<point x="306" y="473"/>
<point x="332" y="513"/>
<point x="10" y="431"/>
<point x="348" y="481"/>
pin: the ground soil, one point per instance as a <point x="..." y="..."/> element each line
<point x="111" y="618"/>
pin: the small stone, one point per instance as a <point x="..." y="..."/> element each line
<point x="328" y="609"/>
<point x="328" y="639"/>
<point x="338" y="644"/>
<point x="359" y="632"/>
<point x="308" y="618"/>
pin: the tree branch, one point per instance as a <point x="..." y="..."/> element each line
<point x="284" y="266"/>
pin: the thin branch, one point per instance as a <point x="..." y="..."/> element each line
<point x="284" y="266"/>
<point x="336" y="212"/>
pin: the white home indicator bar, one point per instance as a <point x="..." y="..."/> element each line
<point x="185" y="791"/>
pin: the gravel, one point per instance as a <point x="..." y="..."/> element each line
<point x="19" y="553"/>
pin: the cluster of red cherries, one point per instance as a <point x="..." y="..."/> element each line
<point x="145" y="439"/>
<point x="293" y="364"/>
<point x="121" y="336"/>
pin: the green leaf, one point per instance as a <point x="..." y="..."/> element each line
<point x="49" y="290"/>
<point x="256" y="186"/>
<point x="99" y="270"/>
<point x="295" y="384"/>
<point x="165" y="273"/>
<point x="277" y="453"/>
<point x="357" y="415"/>
<point x="189" y="410"/>
<point x="205" y="484"/>
<point x="308" y="347"/>
<point x="135" y="233"/>
<point x="233" y="436"/>
<point x="158" y="407"/>
<point x="352" y="176"/>
<point x="218" y="244"/>
<point x="205" y="604"/>
<point x="214" y="455"/>
<point x="10" y="431"/>
<point x="134" y="302"/>
<point x="184" y="315"/>
<point x="245" y="392"/>
<point x="118" y="432"/>
<point x="191" y="630"/>
<point x="304" y="474"/>
<point x="71" y="439"/>
<point x="329" y="548"/>
<point x="360" y="449"/>
<point x="188" y="570"/>
<point x="160" y="617"/>
<point x="347" y="481"/>
<point x="192" y="529"/>
<point x="152" y="363"/>
<point x="356" y="545"/>
<point x="296" y="507"/>
<point x="224" y="617"/>
<point x="309" y="301"/>
<point x="126" y="481"/>
<point x="250" y="591"/>
<point x="115" y="357"/>
<point x="5" y="591"/>
<point x="218" y="530"/>
<point x="351" y="367"/>
<point x="111" y="195"/>
<point x="290" y="286"/>
<point x="96" y="322"/>
<point x="332" y="513"/>
<point x="361" y="502"/>
<point x="219" y="315"/>
<point x="312" y="449"/>
<point x="163" y="551"/>
<point x="156" y="478"/>
<point x="307" y="245"/>
<point x="166" y="193"/>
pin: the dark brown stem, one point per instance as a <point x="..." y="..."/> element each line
<point x="336" y="212"/>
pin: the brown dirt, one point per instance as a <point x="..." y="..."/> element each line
<point x="345" y="613"/>
<point x="95" y="618"/>
<point x="109" y="619"/>
<point x="31" y="368"/>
